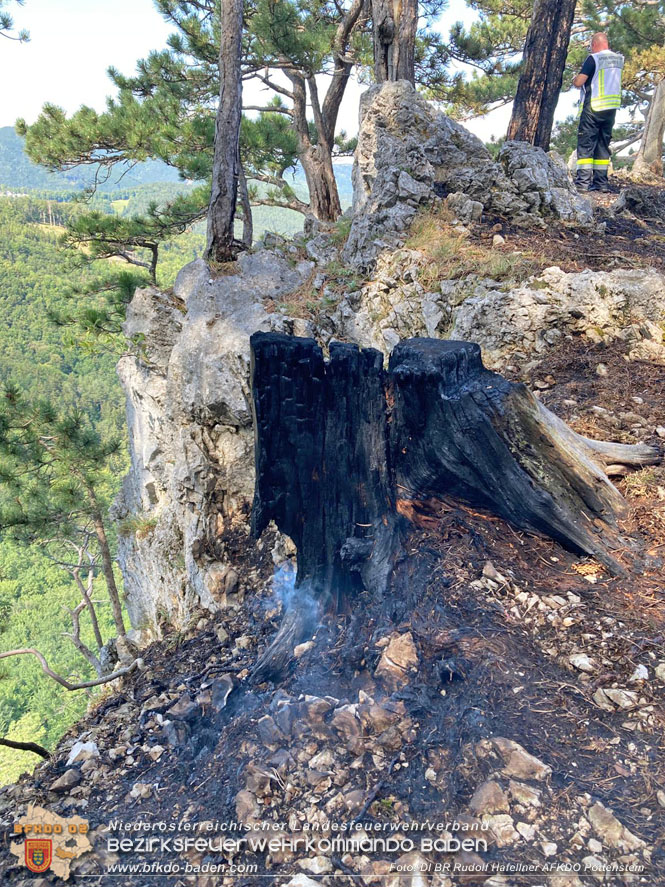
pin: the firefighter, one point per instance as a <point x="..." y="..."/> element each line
<point x="600" y="85"/>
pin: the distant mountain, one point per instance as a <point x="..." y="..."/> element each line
<point x="18" y="172"/>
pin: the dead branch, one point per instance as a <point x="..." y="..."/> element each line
<point x="75" y="638"/>
<point x="26" y="746"/>
<point x="83" y="685"/>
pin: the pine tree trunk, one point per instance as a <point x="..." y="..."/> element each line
<point x="107" y="562"/>
<point x="247" y="219"/>
<point x="649" y="159"/>
<point x="316" y="159"/>
<point x="221" y="243"/>
<point x="320" y="175"/>
<point x="407" y="25"/>
<point x="539" y="85"/>
<point x="394" y="26"/>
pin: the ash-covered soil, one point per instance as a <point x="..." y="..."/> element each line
<point x="504" y="688"/>
<point x="630" y="233"/>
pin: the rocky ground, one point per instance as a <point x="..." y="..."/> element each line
<point x="633" y="235"/>
<point x="498" y="713"/>
<point x="521" y="696"/>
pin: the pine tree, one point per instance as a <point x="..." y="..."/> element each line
<point x="97" y="312"/>
<point x="7" y="24"/>
<point x="166" y="110"/>
<point x="493" y="46"/>
<point x="303" y="40"/>
<point x="226" y="158"/>
<point x="52" y="479"/>
<point x="543" y="64"/>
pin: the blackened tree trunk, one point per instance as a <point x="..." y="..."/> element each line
<point x="322" y="450"/>
<point x="649" y="159"/>
<point x="343" y="447"/>
<point x="394" y="26"/>
<point x="545" y="52"/>
<point x="322" y="474"/>
<point x="225" y="171"/>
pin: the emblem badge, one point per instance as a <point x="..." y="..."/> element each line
<point x="38" y="854"/>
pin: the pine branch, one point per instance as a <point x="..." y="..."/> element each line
<point x="268" y="109"/>
<point x="296" y="206"/>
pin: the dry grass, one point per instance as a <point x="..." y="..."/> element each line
<point x="223" y="269"/>
<point x="453" y="255"/>
<point x="310" y="302"/>
<point x="139" y="525"/>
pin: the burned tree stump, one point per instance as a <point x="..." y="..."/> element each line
<point x="322" y="472"/>
<point x="462" y="431"/>
<point x="341" y="444"/>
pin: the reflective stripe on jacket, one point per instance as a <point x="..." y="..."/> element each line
<point x="606" y="82"/>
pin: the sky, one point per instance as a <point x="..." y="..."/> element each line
<point x="73" y="42"/>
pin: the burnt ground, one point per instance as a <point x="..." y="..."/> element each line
<point x="496" y="635"/>
<point x="632" y="238"/>
<point x="502" y="636"/>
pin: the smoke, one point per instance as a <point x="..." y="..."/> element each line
<point x="284" y="582"/>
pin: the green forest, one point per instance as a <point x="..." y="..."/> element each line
<point x="38" y="277"/>
<point x="41" y="278"/>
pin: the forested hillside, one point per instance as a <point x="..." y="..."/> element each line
<point x="47" y="362"/>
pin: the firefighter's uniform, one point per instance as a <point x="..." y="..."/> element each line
<point x="601" y="96"/>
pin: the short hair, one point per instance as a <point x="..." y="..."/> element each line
<point x="600" y="37"/>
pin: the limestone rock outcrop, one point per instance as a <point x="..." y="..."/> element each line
<point x="409" y="152"/>
<point x="522" y="320"/>
<point x="187" y="371"/>
<point x="190" y="430"/>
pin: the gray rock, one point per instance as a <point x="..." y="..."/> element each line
<point x="221" y="687"/>
<point x="463" y="207"/>
<point x="534" y="171"/>
<point x="190" y="430"/>
<point x="590" y="302"/>
<point x="516" y="760"/>
<point x="82" y="751"/>
<point x="489" y="798"/>
<point x="184" y="709"/>
<point x="611" y="831"/>
<point x="409" y="152"/>
<point x="321" y="249"/>
<point x="68" y="780"/>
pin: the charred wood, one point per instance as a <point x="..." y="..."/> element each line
<point x="343" y="447"/>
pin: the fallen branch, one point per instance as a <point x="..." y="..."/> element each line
<point x="121" y="672"/>
<point x="26" y="746"/>
<point x="617" y="256"/>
